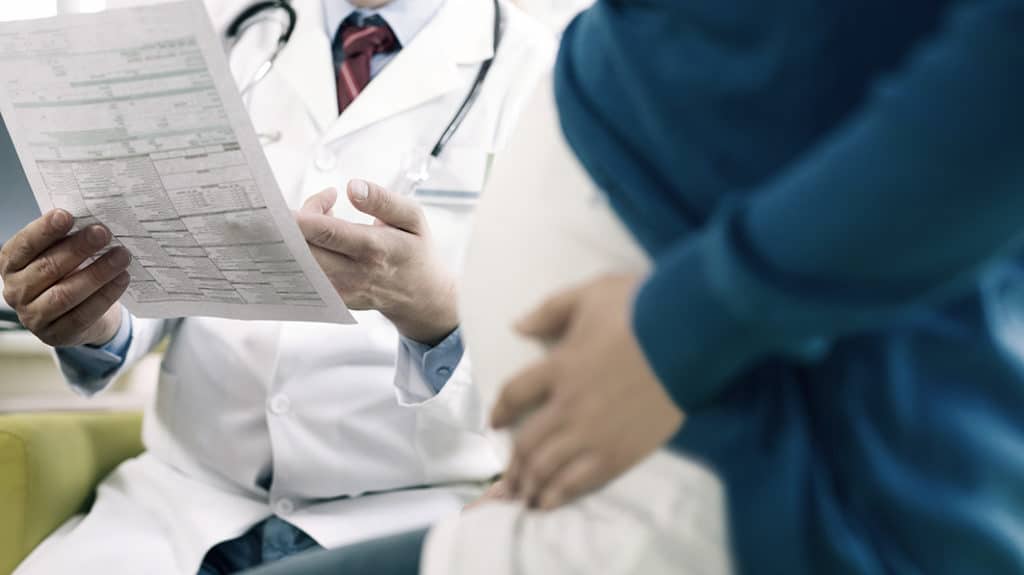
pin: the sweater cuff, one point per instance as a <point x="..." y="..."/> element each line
<point x="712" y="307"/>
<point x="691" y="338"/>
<point x="708" y="312"/>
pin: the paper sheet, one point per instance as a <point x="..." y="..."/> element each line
<point x="130" y="118"/>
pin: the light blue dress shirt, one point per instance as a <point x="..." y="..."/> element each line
<point x="86" y="367"/>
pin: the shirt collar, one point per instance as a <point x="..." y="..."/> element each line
<point x="405" y="17"/>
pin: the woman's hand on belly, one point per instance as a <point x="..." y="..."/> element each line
<point x="593" y="407"/>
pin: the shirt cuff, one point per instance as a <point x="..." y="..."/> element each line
<point x="85" y="366"/>
<point x="437" y="363"/>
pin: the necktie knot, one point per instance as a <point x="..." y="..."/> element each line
<point x="354" y="47"/>
<point x="373" y="37"/>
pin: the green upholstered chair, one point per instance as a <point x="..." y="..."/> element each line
<point x="50" y="464"/>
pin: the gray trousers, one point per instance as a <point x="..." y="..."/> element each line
<point x="393" y="555"/>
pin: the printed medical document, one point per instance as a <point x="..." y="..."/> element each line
<point x="130" y="118"/>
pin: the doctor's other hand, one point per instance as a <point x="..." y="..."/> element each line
<point x="390" y="266"/>
<point x="592" y="408"/>
<point x="58" y="302"/>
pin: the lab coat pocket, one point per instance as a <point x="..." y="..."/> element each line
<point x="457" y="177"/>
<point x="449" y="198"/>
<point x="451" y="438"/>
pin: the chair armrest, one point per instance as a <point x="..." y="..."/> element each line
<point x="50" y="464"/>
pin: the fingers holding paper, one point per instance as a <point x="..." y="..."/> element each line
<point x="56" y="298"/>
<point x="390" y="266"/>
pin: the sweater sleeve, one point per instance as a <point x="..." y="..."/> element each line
<point x="897" y="207"/>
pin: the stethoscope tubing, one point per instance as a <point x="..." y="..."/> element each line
<point x="246" y="17"/>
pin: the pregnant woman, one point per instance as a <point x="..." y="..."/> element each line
<point x="831" y="197"/>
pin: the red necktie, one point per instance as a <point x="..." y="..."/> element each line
<point x="357" y="45"/>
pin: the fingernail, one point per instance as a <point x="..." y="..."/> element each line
<point x="360" y="191"/>
<point x="98" y="236"/>
<point x="120" y="258"/>
<point x="61" y="220"/>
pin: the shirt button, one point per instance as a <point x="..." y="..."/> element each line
<point x="325" y="160"/>
<point x="279" y="404"/>
<point x="284" y="506"/>
<point x="443" y="371"/>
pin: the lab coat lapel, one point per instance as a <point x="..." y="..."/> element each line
<point x="308" y="65"/>
<point x="425" y="69"/>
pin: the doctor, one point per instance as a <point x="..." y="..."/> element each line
<point x="268" y="438"/>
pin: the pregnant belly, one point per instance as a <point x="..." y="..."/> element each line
<point x="543" y="226"/>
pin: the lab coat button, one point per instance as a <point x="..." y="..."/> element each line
<point x="280" y="404"/>
<point x="284" y="506"/>
<point x="325" y="160"/>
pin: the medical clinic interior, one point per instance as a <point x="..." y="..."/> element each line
<point x="511" y="287"/>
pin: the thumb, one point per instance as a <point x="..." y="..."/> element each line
<point x="550" y="320"/>
<point x="392" y="209"/>
<point x="321" y="203"/>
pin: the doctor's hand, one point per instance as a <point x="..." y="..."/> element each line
<point x="592" y="408"/>
<point x="390" y="266"/>
<point x="58" y="302"/>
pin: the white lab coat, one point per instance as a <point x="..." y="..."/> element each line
<point x="360" y="446"/>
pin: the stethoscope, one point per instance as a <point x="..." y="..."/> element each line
<point x="272" y="11"/>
